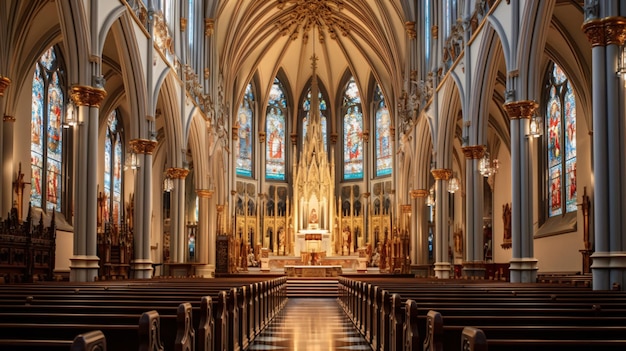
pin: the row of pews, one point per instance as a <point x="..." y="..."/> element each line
<point x="413" y="314"/>
<point x="175" y="314"/>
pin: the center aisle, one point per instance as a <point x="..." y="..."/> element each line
<point x="310" y="324"/>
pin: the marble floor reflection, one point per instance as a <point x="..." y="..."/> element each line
<point x="309" y="324"/>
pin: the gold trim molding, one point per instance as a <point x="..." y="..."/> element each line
<point x="474" y="152"/>
<point x="441" y="173"/>
<point x="4" y="84"/>
<point x="177" y="173"/>
<point x="406" y="208"/>
<point x="520" y="109"/>
<point x="434" y="31"/>
<point x="205" y="193"/>
<point x="142" y="146"/>
<point x="410" y="29"/>
<point x="84" y="95"/>
<point x="8" y="118"/>
<point x="219" y="208"/>
<point x="416" y="193"/>
<point x="606" y="31"/>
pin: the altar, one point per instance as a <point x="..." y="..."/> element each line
<point x="313" y="271"/>
<point x="312" y="240"/>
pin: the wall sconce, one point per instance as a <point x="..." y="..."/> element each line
<point x="621" y="62"/>
<point x="487" y="167"/>
<point x="132" y="162"/>
<point x="70" y="115"/>
<point x="535" y="127"/>
<point x="453" y="185"/>
<point x="168" y="183"/>
<point x="430" y="199"/>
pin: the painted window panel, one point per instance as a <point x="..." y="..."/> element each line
<point x="275" y="131"/>
<point x="384" y="158"/>
<point x="245" y="117"/>
<point x="113" y="156"/>
<point x="561" y="143"/>
<point x="352" y="133"/>
<point x="306" y="106"/>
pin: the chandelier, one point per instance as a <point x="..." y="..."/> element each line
<point x="168" y="183"/>
<point x="132" y="161"/>
<point x="430" y="199"/>
<point x="453" y="185"/>
<point x="535" y="127"/>
<point x="487" y="167"/>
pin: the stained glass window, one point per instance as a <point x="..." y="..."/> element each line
<point x="113" y="171"/>
<point x="383" y="135"/>
<point x="561" y="142"/>
<point x="245" y="116"/>
<point x="352" y="132"/>
<point x="306" y="107"/>
<point x="275" y="131"/>
<point x="48" y="107"/>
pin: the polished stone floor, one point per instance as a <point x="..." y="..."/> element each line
<point x="309" y="324"/>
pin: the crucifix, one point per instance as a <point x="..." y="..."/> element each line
<point x="18" y="188"/>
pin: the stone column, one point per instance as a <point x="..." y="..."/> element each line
<point x="441" y="244"/>
<point x="84" y="263"/>
<point x="203" y="244"/>
<point x="141" y="265"/>
<point x="178" y="232"/>
<point x="419" y="228"/>
<point x="523" y="268"/>
<point x="606" y="36"/>
<point x="6" y="158"/>
<point x="473" y="264"/>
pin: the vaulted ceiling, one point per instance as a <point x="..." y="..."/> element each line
<point x="365" y="37"/>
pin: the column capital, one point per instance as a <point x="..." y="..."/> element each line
<point x="4" y="84"/>
<point x="209" y="24"/>
<point x="219" y="208"/>
<point x="441" y="173"/>
<point x="262" y="137"/>
<point x="367" y="194"/>
<point x="406" y="208"/>
<point x="8" y="118"/>
<point x="235" y="132"/>
<point x="334" y="137"/>
<point x="474" y="151"/>
<point x="417" y="193"/>
<point x="523" y="109"/>
<point x="84" y="95"/>
<point x="294" y="138"/>
<point x="366" y="136"/>
<point x="142" y="146"/>
<point x="204" y="193"/>
<point x="177" y="173"/>
<point x="606" y="31"/>
<point x="410" y="29"/>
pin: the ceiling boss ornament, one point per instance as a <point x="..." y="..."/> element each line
<point x="306" y="14"/>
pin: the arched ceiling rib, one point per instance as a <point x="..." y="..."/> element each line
<point x="366" y="37"/>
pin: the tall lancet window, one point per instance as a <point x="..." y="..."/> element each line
<point x="48" y="107"/>
<point x="275" y="131"/>
<point x="561" y="142"/>
<point x="245" y="116"/>
<point x="383" y="134"/>
<point x="352" y="132"/>
<point x="113" y="144"/>
<point x="306" y="107"/>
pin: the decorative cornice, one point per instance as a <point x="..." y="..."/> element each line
<point x="84" y="95"/>
<point x="441" y="173"/>
<point x="177" y="173"/>
<point x="209" y="24"/>
<point x="183" y="24"/>
<point x="406" y="208"/>
<point x="606" y="31"/>
<point x="520" y="109"/>
<point x="142" y="146"/>
<point x="8" y="118"/>
<point x="410" y="29"/>
<point x="205" y="193"/>
<point x="262" y="137"/>
<point x="415" y="193"/>
<point x="4" y="83"/>
<point x="474" y="152"/>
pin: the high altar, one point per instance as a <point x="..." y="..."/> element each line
<point x="313" y="187"/>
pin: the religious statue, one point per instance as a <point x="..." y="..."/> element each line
<point x="281" y="241"/>
<point x="18" y="187"/>
<point x="506" y="222"/>
<point x="252" y="261"/>
<point x="346" y="240"/>
<point x="313" y="217"/>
